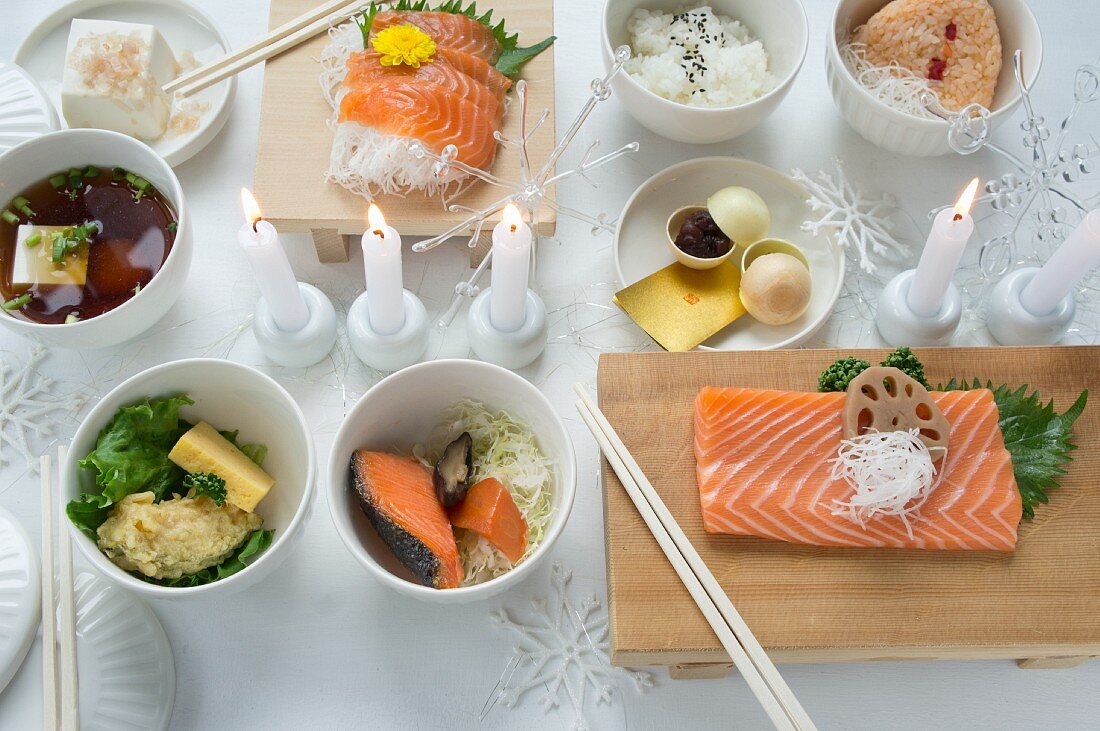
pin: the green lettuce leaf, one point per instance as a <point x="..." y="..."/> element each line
<point x="1037" y="437"/>
<point x="257" y="542"/>
<point x="131" y="455"/>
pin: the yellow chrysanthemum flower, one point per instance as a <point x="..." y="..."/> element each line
<point x="404" y="44"/>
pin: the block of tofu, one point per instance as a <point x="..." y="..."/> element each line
<point x="113" y="78"/>
<point x="203" y="449"/>
<point x="33" y="265"/>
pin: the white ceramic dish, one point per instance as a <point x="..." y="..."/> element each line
<point x="31" y="161"/>
<point x="20" y="596"/>
<point x="779" y="24"/>
<point x="184" y="27"/>
<point x="905" y="134"/>
<point x="640" y="247"/>
<point x="25" y="111"/>
<point x="228" y="396"/>
<point x="401" y="411"/>
<point x="125" y="664"/>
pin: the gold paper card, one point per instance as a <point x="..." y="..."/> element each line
<point x="681" y="307"/>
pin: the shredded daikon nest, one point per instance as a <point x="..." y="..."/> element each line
<point x="363" y="160"/>
<point x="894" y="85"/>
<point x="893" y="473"/>
<point x="504" y="448"/>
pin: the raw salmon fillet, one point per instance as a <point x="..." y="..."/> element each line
<point x="397" y="495"/>
<point x="448" y="30"/>
<point x="763" y="467"/>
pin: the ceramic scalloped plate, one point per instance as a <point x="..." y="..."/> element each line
<point x="127" y="674"/>
<point x="20" y="596"/>
<point x="184" y="27"/>
<point x="641" y="248"/>
<point x="25" y="110"/>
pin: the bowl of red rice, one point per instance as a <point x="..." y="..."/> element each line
<point x="921" y="35"/>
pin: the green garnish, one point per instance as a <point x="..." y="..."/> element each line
<point x="58" y="181"/>
<point x="1037" y="437"/>
<point x="131" y="455"/>
<point x="837" y="376"/>
<point x="255" y="452"/>
<point x="173" y="227"/>
<point x="33" y="240"/>
<point x="137" y="289"/>
<point x="512" y="56"/>
<point x="118" y="174"/>
<point x="10" y="217"/>
<point x="23" y="205"/>
<point x="91" y="172"/>
<point x="257" y="542"/>
<point x="71" y="318"/>
<point x="18" y="303"/>
<point x="70" y="239"/>
<point x="904" y="360"/>
<point x="206" y="483"/>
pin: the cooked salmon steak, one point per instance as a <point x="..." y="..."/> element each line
<point x="397" y="495"/>
<point x="763" y="468"/>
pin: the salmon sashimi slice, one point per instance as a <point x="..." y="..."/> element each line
<point x="365" y="69"/>
<point x="403" y="106"/>
<point x="763" y="468"/>
<point x="397" y="495"/>
<point x="448" y="30"/>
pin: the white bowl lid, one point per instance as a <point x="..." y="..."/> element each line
<point x="25" y="110"/>
<point x="19" y="596"/>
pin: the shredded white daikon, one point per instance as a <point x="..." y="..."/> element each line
<point x="893" y="85"/>
<point x="893" y="473"/>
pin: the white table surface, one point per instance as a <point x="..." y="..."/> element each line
<point x="321" y="645"/>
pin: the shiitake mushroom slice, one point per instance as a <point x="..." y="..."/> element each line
<point x="453" y="471"/>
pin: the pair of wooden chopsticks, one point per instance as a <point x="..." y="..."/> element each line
<point x="66" y="705"/>
<point x="748" y="656"/>
<point x="283" y="38"/>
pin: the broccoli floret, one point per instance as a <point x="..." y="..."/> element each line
<point x="904" y="360"/>
<point x="837" y="376"/>
<point x="206" y="483"/>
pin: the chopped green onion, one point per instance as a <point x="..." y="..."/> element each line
<point x="130" y="178"/>
<point x="22" y="205"/>
<point x="118" y="174"/>
<point x="33" y="240"/>
<point x="59" y="248"/>
<point x="10" y="217"/>
<point x="71" y="318"/>
<point x="76" y="172"/>
<point x="58" y="181"/>
<point x="91" y="172"/>
<point x="18" y="303"/>
<point x="137" y="289"/>
<point x="173" y="227"/>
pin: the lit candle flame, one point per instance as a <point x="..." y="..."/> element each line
<point x="512" y="217"/>
<point x="251" y="208"/>
<point x="966" y="200"/>
<point x="376" y="220"/>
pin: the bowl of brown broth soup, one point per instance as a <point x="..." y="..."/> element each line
<point x="95" y="242"/>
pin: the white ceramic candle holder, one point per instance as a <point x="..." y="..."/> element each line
<point x="509" y="350"/>
<point x="389" y="352"/>
<point x="899" y="325"/>
<point x="306" y="346"/>
<point x="1011" y="323"/>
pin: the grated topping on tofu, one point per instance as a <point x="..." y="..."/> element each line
<point x="114" y="65"/>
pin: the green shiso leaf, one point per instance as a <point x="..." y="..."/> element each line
<point x="512" y="56"/>
<point x="257" y="542"/>
<point x="1037" y="437"/>
<point x="131" y="455"/>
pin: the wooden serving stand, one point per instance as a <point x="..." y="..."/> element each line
<point x="1039" y="605"/>
<point x="295" y="141"/>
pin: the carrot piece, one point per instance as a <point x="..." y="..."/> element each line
<point x="489" y="510"/>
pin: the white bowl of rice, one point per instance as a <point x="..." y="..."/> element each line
<point x="878" y="113"/>
<point x="704" y="73"/>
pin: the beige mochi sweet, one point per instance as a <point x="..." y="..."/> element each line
<point x="776" y="289"/>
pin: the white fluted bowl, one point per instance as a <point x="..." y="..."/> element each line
<point x="902" y="133"/>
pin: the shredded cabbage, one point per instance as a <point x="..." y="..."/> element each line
<point x="506" y="449"/>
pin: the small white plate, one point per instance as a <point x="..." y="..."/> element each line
<point x="25" y="111"/>
<point x="640" y="247"/>
<point x="125" y="665"/>
<point x="185" y="27"/>
<point x="20" y="596"/>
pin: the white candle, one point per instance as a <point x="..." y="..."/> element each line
<point x="1066" y="267"/>
<point x="951" y="230"/>
<point x="382" y="267"/>
<point x="278" y="286"/>
<point x="511" y="267"/>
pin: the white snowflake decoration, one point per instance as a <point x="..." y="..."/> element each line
<point x="857" y="223"/>
<point x="27" y="407"/>
<point x="562" y="650"/>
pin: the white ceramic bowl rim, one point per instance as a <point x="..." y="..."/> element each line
<point x="778" y="89"/>
<point x="566" y="479"/>
<point x="672" y="169"/>
<point x="96" y="416"/>
<point x="1006" y="107"/>
<point x="175" y="197"/>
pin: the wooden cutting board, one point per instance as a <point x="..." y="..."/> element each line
<point x="809" y="604"/>
<point x="295" y="140"/>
